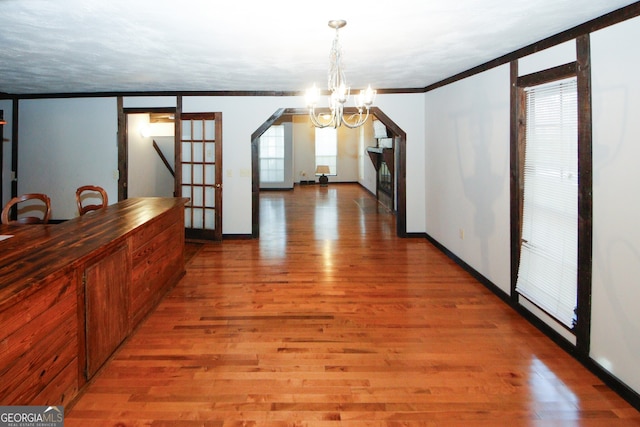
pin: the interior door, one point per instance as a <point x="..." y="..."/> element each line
<point x="199" y="175"/>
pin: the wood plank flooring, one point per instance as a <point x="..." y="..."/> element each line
<point x="330" y="320"/>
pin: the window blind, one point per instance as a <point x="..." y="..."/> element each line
<point x="272" y="154"/>
<point x="547" y="273"/>
<point x="327" y="148"/>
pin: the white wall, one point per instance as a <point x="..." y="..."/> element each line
<point x="467" y="172"/>
<point x="241" y="116"/>
<point x="408" y="112"/>
<point x="289" y="167"/>
<point x="66" y="143"/>
<point x="149" y="102"/>
<point x="304" y="150"/>
<point x="347" y="167"/>
<point x="548" y="58"/>
<point x="615" y="320"/>
<point x="467" y="183"/>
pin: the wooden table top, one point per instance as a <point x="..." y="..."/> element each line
<point x="38" y="251"/>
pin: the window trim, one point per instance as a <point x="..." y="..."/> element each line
<point x="581" y="68"/>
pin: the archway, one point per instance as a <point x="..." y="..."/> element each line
<point x="400" y="141"/>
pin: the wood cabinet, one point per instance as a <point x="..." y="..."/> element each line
<point x="39" y="345"/>
<point x="106" y="286"/>
<point x="157" y="261"/>
<point x="70" y="293"/>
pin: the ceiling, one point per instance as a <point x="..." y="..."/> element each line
<point x="251" y="45"/>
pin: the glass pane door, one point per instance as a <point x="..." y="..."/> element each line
<point x="200" y="174"/>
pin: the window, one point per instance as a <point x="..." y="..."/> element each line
<point x="547" y="274"/>
<point x="327" y="148"/>
<point x="272" y="154"/>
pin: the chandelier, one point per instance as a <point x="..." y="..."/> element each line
<point x="339" y="92"/>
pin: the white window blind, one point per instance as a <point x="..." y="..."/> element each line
<point x="272" y="154"/>
<point x="547" y="274"/>
<point x="327" y="148"/>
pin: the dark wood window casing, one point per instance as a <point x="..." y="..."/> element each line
<point x="581" y="68"/>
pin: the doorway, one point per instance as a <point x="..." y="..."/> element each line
<point x="183" y="159"/>
<point x="151" y="154"/>
<point x="200" y="174"/>
<point x="399" y="142"/>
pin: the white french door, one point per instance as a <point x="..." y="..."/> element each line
<point x="199" y="175"/>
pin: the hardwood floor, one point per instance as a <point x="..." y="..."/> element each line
<point x="330" y="320"/>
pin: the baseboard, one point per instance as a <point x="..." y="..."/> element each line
<point x="622" y="389"/>
<point x="237" y="237"/>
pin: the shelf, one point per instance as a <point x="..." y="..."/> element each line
<point x="378" y="155"/>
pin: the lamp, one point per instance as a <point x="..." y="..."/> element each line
<point x="339" y="92"/>
<point x="322" y="169"/>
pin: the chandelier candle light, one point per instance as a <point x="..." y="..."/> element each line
<point x="339" y="92"/>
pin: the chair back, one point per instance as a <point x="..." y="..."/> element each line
<point x="89" y="193"/>
<point x="44" y="208"/>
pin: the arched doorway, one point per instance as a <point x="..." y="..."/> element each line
<point x="400" y="140"/>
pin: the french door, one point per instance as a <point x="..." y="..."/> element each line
<point x="199" y="176"/>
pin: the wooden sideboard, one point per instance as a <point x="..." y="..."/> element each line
<point x="70" y="293"/>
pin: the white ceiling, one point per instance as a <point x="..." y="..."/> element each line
<point x="58" y="46"/>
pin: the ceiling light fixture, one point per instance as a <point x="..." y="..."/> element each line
<point x="339" y="92"/>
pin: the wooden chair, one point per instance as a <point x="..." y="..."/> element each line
<point x="90" y="192"/>
<point x="28" y="207"/>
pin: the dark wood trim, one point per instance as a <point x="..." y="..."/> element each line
<point x="14" y="147"/>
<point x="585" y="195"/>
<point x="134" y="94"/>
<point x="198" y="115"/>
<point x="235" y="237"/>
<point x="150" y="110"/>
<point x="219" y="187"/>
<point x="552" y="74"/>
<point x="514" y="178"/>
<point x="123" y="168"/>
<point x="255" y="168"/>
<point x="582" y="70"/>
<point x="187" y="93"/>
<point x="612" y="18"/>
<point x="177" y="152"/>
